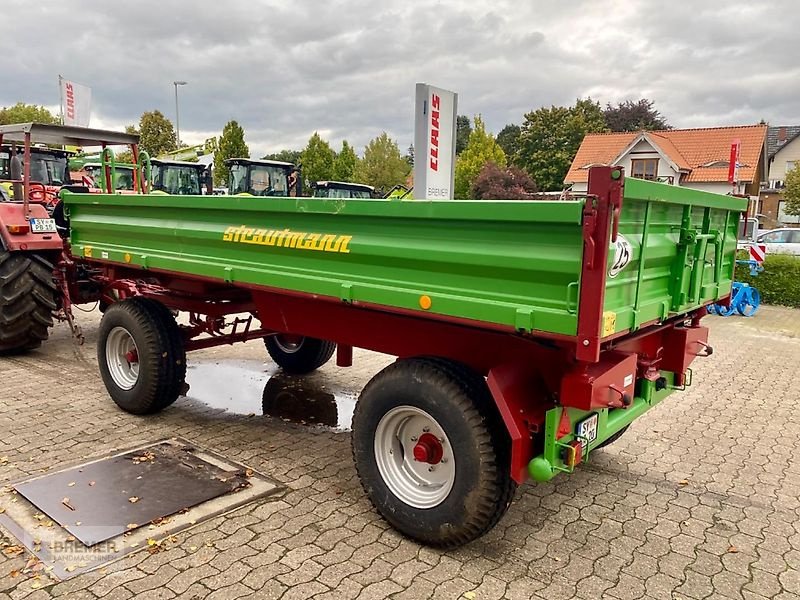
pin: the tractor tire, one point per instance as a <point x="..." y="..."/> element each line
<point x="613" y="438"/>
<point x="27" y="301"/>
<point x="298" y="355"/>
<point x="428" y="454"/>
<point x="141" y="355"/>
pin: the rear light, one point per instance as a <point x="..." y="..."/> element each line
<point x="574" y="453"/>
<point x="19" y="229"/>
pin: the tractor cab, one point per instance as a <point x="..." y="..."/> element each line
<point x="178" y="177"/>
<point x="263" y="178"/>
<point x="92" y="174"/>
<point x="48" y="167"/>
<point x="342" y="189"/>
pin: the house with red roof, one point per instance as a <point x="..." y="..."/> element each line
<point x="695" y="158"/>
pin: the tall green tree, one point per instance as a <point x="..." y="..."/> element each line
<point x="634" y="116"/>
<point x="383" y="166"/>
<point x="550" y="138"/>
<point x="344" y="165"/>
<point x="156" y="133"/>
<point x="410" y="155"/>
<point x="290" y="156"/>
<point x="508" y="138"/>
<point x="126" y="156"/>
<point x="317" y="159"/>
<point x="463" y="129"/>
<point x="791" y="192"/>
<point x="26" y="113"/>
<point x="231" y="144"/>
<point x="481" y="148"/>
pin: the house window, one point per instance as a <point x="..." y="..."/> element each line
<point x="645" y="168"/>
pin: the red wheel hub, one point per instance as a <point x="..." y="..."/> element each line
<point x="428" y="449"/>
<point x="132" y="356"/>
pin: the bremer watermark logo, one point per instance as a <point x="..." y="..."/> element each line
<point x="70" y="100"/>
<point x="435" y="107"/>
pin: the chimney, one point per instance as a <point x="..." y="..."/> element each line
<point x="781" y="136"/>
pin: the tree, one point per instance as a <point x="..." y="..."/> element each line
<point x="317" y="159"/>
<point x="231" y="145"/>
<point x="126" y="156"/>
<point x="482" y="148"/>
<point x="634" y="116"/>
<point x="156" y="134"/>
<point x="508" y="138"/>
<point x="382" y="166"/>
<point x="550" y="138"/>
<point x="344" y="165"/>
<point x="26" y="113"/>
<point x="494" y="183"/>
<point x="410" y="156"/>
<point x="463" y="129"/>
<point x="290" y="156"/>
<point x="791" y="192"/>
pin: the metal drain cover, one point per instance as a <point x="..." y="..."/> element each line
<point x="110" y="504"/>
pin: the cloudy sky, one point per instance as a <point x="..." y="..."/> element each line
<point x="347" y="68"/>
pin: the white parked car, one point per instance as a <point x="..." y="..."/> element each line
<point x="781" y="241"/>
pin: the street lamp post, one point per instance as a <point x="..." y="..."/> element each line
<point x="177" y="114"/>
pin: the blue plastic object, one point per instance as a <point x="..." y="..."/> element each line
<point x="745" y="299"/>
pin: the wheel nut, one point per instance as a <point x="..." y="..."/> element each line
<point x="426" y="429"/>
<point x="444" y="460"/>
<point x="413" y="438"/>
<point x="430" y="469"/>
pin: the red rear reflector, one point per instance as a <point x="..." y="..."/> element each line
<point x="18" y="229"/>
<point x="574" y="453"/>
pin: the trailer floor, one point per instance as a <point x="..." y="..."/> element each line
<point x="701" y="498"/>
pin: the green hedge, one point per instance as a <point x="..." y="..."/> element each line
<point x="778" y="283"/>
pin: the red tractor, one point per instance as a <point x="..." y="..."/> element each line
<point x="35" y="272"/>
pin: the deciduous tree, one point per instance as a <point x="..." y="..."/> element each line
<point x="550" y="138"/>
<point x="792" y="191"/>
<point x="231" y="145"/>
<point x="317" y="159"/>
<point x="290" y="156"/>
<point x="482" y="148"/>
<point x="634" y="116"/>
<point x="382" y="167"/>
<point x="26" y="113"/>
<point x="495" y="183"/>
<point x="508" y="138"/>
<point x="463" y="129"/>
<point x="156" y="134"/>
<point x="344" y="165"/>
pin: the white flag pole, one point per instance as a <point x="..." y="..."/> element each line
<point x="61" y="96"/>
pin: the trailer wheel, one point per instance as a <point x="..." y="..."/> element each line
<point x="298" y="355"/>
<point x="27" y="301"/>
<point x="427" y="454"/>
<point x="141" y="355"/>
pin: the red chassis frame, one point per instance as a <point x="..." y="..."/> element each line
<point x="527" y="374"/>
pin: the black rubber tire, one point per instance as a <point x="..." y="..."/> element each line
<point x="460" y="402"/>
<point x="309" y="356"/>
<point x="613" y="438"/>
<point x="27" y="301"/>
<point x="162" y="355"/>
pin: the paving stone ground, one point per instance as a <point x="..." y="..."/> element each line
<point x="700" y="499"/>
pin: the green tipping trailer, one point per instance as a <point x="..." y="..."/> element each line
<point x="529" y="333"/>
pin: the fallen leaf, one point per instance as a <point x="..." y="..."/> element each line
<point x="12" y="551"/>
<point x="3" y="460"/>
<point x="2" y="510"/>
<point x="249" y="473"/>
<point x="469" y="595"/>
<point x="91" y="483"/>
<point x="14" y="573"/>
<point x="78" y="523"/>
<point x="66" y="503"/>
<point x="71" y="484"/>
<point x="36" y="585"/>
<point x="133" y="499"/>
<point x="152" y="542"/>
<point x="70" y="568"/>
<point x="733" y="550"/>
<point x="132" y="525"/>
<point x="192" y="548"/>
<point x="683" y="482"/>
<point x="71" y="538"/>
<point x="134" y="544"/>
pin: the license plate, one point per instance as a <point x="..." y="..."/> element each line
<point x="43" y="225"/>
<point x="587" y="428"/>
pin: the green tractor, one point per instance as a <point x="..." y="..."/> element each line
<point x="342" y="189"/>
<point x="179" y="177"/>
<point x="250" y="177"/>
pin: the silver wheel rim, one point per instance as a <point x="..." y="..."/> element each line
<point x="287" y="345"/>
<point x="417" y="483"/>
<point x="120" y="349"/>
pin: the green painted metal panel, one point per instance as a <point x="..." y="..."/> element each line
<point x="683" y="247"/>
<point x="514" y="264"/>
<point x="508" y="263"/>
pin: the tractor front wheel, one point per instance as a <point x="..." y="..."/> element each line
<point x="428" y="454"/>
<point x="298" y="355"/>
<point x="141" y="355"/>
<point x="27" y="301"/>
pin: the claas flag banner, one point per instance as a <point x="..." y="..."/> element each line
<point x="76" y="103"/>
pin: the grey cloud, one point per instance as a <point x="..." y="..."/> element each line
<point x="347" y="67"/>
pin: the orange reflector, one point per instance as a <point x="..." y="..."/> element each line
<point x="574" y="453"/>
<point x="425" y="302"/>
<point x="18" y="229"/>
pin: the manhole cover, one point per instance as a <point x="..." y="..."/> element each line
<point x="86" y="515"/>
